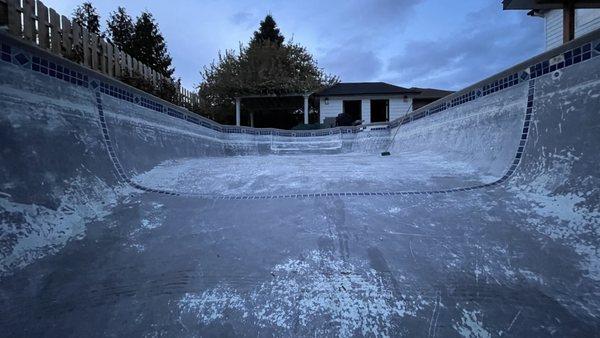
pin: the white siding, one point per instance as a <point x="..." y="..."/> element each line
<point x="554" y="33"/>
<point x="366" y="111"/>
<point x="332" y="109"/>
<point x="586" y="20"/>
<point x="398" y="107"/>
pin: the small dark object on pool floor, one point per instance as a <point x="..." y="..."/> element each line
<point x="385" y="153"/>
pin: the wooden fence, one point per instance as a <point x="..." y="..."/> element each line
<point x="33" y="21"/>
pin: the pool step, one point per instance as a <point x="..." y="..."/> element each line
<point x="306" y="146"/>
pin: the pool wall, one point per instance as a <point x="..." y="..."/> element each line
<point x="72" y="139"/>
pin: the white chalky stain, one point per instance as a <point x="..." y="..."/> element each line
<point x="315" y="288"/>
<point x="470" y="325"/>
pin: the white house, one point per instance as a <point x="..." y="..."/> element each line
<point x="372" y="101"/>
<point x="564" y="19"/>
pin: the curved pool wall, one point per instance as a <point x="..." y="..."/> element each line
<point x="74" y="141"/>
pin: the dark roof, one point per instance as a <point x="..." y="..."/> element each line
<point x="547" y="4"/>
<point x="380" y="88"/>
<point x="363" y="88"/>
<point x="430" y="93"/>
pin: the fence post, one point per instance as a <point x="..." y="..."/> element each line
<point x="3" y="13"/>
<point x="85" y="39"/>
<point x="134" y="65"/>
<point x="67" y="36"/>
<point x="29" y="20"/>
<point x="100" y="52"/>
<point x="43" y="25"/>
<point x="129" y="64"/>
<point x="110" y="58"/>
<point x="118" y="61"/>
<point x="93" y="50"/>
<point x="54" y="32"/>
<point x="77" y="46"/>
<point x="14" y="17"/>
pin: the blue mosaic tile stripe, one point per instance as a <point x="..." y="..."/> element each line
<point x="192" y="119"/>
<point x="113" y="156"/>
<point x="568" y="58"/>
<point x="116" y="92"/>
<point x="151" y="104"/>
<point x="501" y="84"/>
<point x="175" y="113"/>
<point x="470" y="96"/>
<point x="5" y="53"/>
<point x="59" y="71"/>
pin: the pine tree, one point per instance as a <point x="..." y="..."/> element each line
<point x="268" y="31"/>
<point x="265" y="66"/>
<point x="120" y="29"/>
<point x="148" y="45"/>
<point x="87" y="16"/>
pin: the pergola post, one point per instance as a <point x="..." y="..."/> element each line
<point x="305" y="108"/>
<point x="238" y="109"/>
<point x="568" y="21"/>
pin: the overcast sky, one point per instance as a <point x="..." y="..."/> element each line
<point x="423" y="43"/>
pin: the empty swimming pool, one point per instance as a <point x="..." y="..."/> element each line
<point x="123" y="215"/>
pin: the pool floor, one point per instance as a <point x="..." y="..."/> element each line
<point x="302" y="174"/>
<point x="428" y="264"/>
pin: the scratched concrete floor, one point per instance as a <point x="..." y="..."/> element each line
<point x="302" y="174"/>
<point x="442" y="265"/>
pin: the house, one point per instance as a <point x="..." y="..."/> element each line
<point x="586" y="20"/>
<point x="372" y="101"/>
<point x="564" y="20"/>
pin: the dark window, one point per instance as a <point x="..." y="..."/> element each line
<point x="380" y="110"/>
<point x="353" y="109"/>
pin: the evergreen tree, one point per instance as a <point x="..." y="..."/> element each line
<point x="148" y="45"/>
<point x="268" y="32"/>
<point x="87" y="16"/>
<point x="120" y="29"/>
<point x="266" y="66"/>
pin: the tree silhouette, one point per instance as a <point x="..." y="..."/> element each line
<point x="268" y="32"/>
<point x="87" y="16"/>
<point x="148" y="45"/>
<point x="120" y="29"/>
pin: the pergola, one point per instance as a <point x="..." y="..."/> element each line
<point x="568" y="7"/>
<point x="238" y="104"/>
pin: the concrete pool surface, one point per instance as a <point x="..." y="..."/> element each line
<point x="118" y="220"/>
<point x="301" y="174"/>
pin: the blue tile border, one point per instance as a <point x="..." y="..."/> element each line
<point x="120" y="172"/>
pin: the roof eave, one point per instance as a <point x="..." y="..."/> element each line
<point x="545" y="4"/>
<point x="362" y="94"/>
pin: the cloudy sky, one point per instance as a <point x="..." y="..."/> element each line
<point x="423" y="43"/>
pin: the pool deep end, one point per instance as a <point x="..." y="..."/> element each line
<point x="121" y="216"/>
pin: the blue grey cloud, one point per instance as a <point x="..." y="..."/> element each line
<point x="490" y="41"/>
